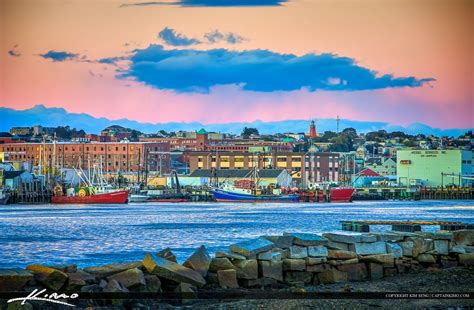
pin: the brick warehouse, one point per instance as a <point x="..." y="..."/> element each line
<point x="304" y="167"/>
<point x="115" y="157"/>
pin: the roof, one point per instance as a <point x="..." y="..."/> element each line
<point x="368" y="173"/>
<point x="237" y="173"/>
<point x="202" y="131"/>
<point x="374" y="160"/>
<point x="11" y="174"/>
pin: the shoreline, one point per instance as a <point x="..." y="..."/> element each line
<point x="292" y="262"/>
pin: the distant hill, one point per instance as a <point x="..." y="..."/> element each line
<point x="52" y="117"/>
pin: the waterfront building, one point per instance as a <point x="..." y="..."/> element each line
<point x="114" y="157"/>
<point x="202" y="177"/>
<point x="434" y="167"/>
<point x="382" y="165"/>
<point x="305" y="168"/>
<point x="204" y="140"/>
<point x="20" y="131"/>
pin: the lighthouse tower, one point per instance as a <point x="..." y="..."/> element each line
<point x="312" y="130"/>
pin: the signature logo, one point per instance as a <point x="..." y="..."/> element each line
<point x="41" y="296"/>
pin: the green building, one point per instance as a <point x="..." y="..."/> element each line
<point x="434" y="167"/>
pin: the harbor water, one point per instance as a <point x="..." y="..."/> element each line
<point x="101" y="234"/>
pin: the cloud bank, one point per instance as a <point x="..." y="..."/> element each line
<point x="191" y="70"/>
<point x="58" y="56"/>
<point x="173" y="38"/>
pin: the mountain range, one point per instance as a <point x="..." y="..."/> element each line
<point x="53" y="117"/>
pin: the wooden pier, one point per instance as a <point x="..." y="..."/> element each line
<point x="405" y="226"/>
<point x="403" y="193"/>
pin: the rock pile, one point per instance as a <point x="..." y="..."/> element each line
<point x="289" y="260"/>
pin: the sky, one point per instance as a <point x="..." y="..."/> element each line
<point x="217" y="61"/>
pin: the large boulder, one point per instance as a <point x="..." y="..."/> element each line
<point x="441" y="246"/>
<point x="337" y="245"/>
<point x="252" y="247"/>
<point x="340" y="254"/>
<point x="107" y="270"/>
<point x="315" y="260"/>
<point x="466" y="259"/>
<point x="332" y="276"/>
<point x="294" y="264"/>
<point x="298" y="252"/>
<point x="229" y="255"/>
<point x="282" y="242"/>
<point x="426" y="258"/>
<point x="395" y="249"/>
<point x="220" y="263"/>
<point x="14" y="279"/>
<point x="362" y="248"/>
<point x="113" y="286"/>
<point x="246" y="269"/>
<point x="270" y="255"/>
<point x="129" y="278"/>
<point x="49" y="277"/>
<point x="375" y="270"/>
<point x="227" y="278"/>
<point x="166" y="253"/>
<point x="317" y="251"/>
<point x="407" y="248"/>
<point x="172" y="271"/>
<point x="388" y="260"/>
<point x="153" y="283"/>
<point x="355" y="272"/>
<point x="271" y="269"/>
<point x="349" y="237"/>
<point x="297" y="277"/>
<point x="199" y="261"/>
<point x="307" y="239"/>
<point x="463" y="237"/>
<point x="75" y="282"/>
<point x="421" y="245"/>
<point x="318" y="268"/>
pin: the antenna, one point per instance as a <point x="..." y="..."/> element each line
<point x="337" y="120"/>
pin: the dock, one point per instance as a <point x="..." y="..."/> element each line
<point x="404" y="226"/>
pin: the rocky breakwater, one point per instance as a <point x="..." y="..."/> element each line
<point x="284" y="261"/>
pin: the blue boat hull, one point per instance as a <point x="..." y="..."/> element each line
<point x="225" y="196"/>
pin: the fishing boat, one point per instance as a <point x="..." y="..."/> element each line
<point x="248" y="190"/>
<point x="342" y="194"/>
<point x="93" y="189"/>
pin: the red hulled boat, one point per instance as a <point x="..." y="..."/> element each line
<point x="342" y="194"/>
<point x="114" y="197"/>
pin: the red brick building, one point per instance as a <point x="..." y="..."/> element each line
<point x="114" y="157"/>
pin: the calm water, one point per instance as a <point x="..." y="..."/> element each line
<point x="93" y="235"/>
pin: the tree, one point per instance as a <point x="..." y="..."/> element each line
<point x="248" y="131"/>
<point x="350" y="132"/>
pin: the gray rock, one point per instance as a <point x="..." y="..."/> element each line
<point x="294" y="264"/>
<point x="229" y="255"/>
<point x="49" y="277"/>
<point x="426" y="258"/>
<point x="407" y="248"/>
<point x="368" y="248"/>
<point x="340" y="254"/>
<point x="355" y="272"/>
<point x="14" y="279"/>
<point x="388" y="236"/>
<point x="113" y="286"/>
<point x="318" y="268"/>
<point x="271" y="269"/>
<point x="199" y="261"/>
<point x="283" y="242"/>
<point x="332" y="276"/>
<point x="220" y="263"/>
<point x="246" y="269"/>
<point x="298" y="252"/>
<point x="129" y="278"/>
<point x="395" y="249"/>
<point x="466" y="259"/>
<point x="317" y="251"/>
<point x="172" y="271"/>
<point x="227" y="278"/>
<point x="457" y="249"/>
<point x="293" y="277"/>
<point x="269" y="255"/>
<point x="93" y="288"/>
<point x="337" y="246"/>
<point x="107" y="270"/>
<point x="349" y="237"/>
<point x="75" y="282"/>
<point x="463" y="237"/>
<point x="153" y="283"/>
<point x="307" y="239"/>
<point x="166" y="253"/>
<point x="375" y="270"/>
<point x="252" y="247"/>
<point x="65" y="268"/>
<point x="387" y="260"/>
<point x="441" y="246"/>
<point x="315" y="260"/>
